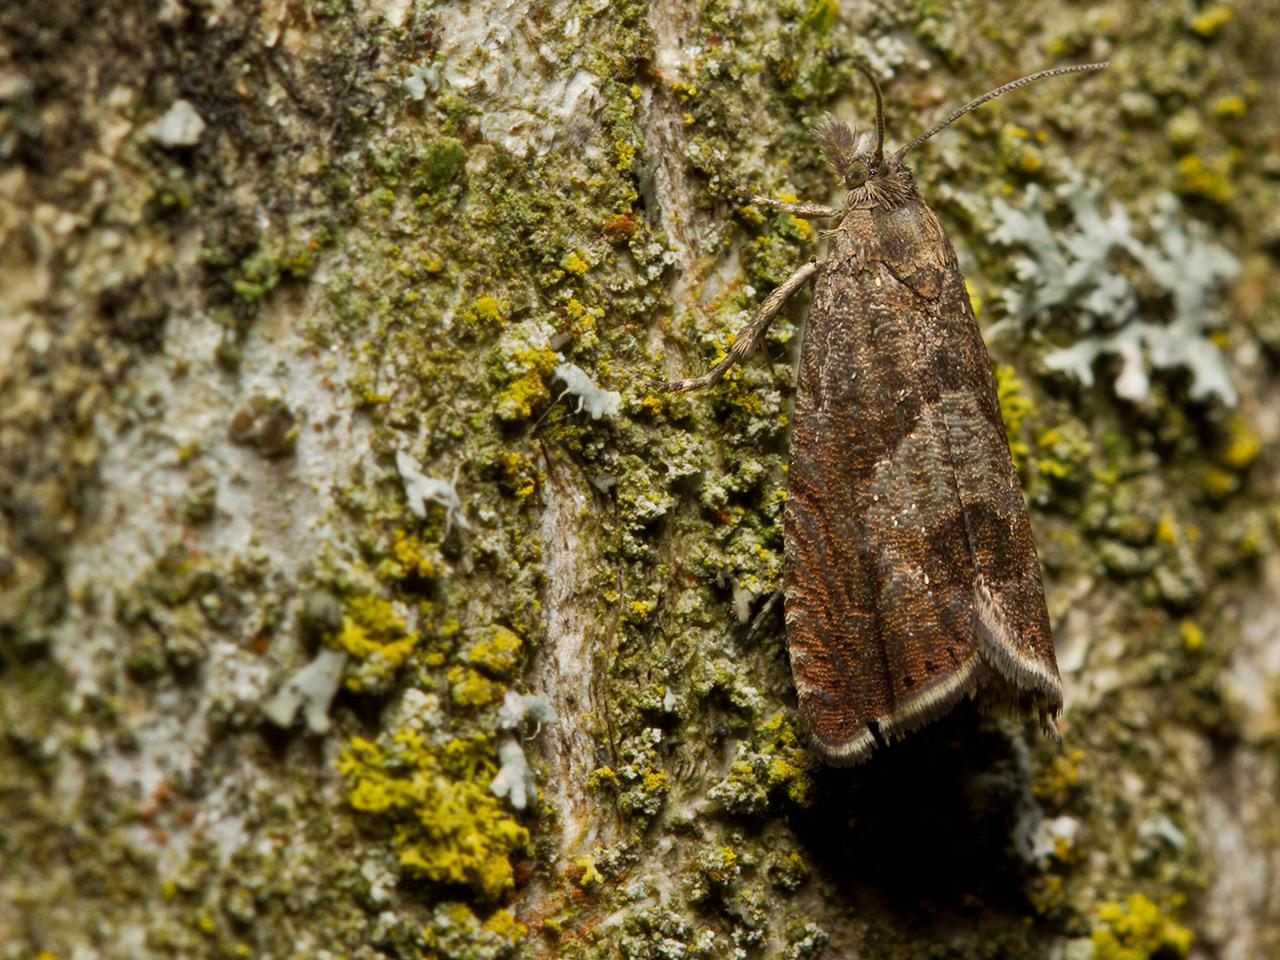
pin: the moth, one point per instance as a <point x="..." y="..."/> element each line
<point x="911" y="578"/>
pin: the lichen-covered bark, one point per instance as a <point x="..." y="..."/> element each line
<point x="358" y="597"/>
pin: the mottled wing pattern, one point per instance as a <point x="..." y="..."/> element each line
<point x="907" y="540"/>
<point x="1013" y="629"/>
<point x="878" y="575"/>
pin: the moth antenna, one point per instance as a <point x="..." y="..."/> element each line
<point x="997" y="92"/>
<point x="866" y="72"/>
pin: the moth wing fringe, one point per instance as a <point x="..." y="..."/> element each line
<point x="848" y="752"/>
<point x="927" y="705"/>
<point x="997" y="648"/>
<point x="932" y="701"/>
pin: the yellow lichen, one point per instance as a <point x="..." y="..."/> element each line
<point x="575" y="263"/>
<point x="485" y="311"/>
<point x="377" y="638"/>
<point x="586" y="323"/>
<point x="1243" y="444"/>
<point x="1060" y="776"/>
<point x="733" y="390"/>
<point x="1212" y="179"/>
<point x="467" y="688"/>
<point x="1212" y="19"/>
<point x="719" y="865"/>
<point x="1048" y="894"/>
<point x="1019" y="152"/>
<point x="1063" y="450"/>
<point x="521" y="395"/>
<point x="1192" y="635"/>
<point x="498" y="653"/>
<point x="527" y="387"/>
<point x="655" y="781"/>
<point x="1218" y="484"/>
<point x="822" y="15"/>
<point x="1137" y="930"/>
<point x="798" y="228"/>
<point x="773" y="765"/>
<point x="639" y="610"/>
<point x="448" y="827"/>
<point x="409" y="558"/>
<point x="625" y="151"/>
<point x="518" y="474"/>
<point x="782" y="772"/>
<point x="590" y="875"/>
<point x="1167" y="531"/>
<point x="1231" y="107"/>
<point x="504" y="924"/>
<point x="1015" y="407"/>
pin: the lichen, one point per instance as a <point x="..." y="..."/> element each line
<point x="486" y="312"/>
<point x="593" y="399"/>
<point x="447" y="827"/>
<point x="410" y="560"/>
<point x="456" y="933"/>
<point x="514" y="780"/>
<point x="1063" y="451"/>
<point x="377" y="639"/>
<point x="770" y="767"/>
<point x="1070" y="273"/>
<point x="1210" y="178"/>
<point x="1211" y="19"/>
<point x="440" y="163"/>
<point x="464" y="233"/>
<point x="497" y="652"/>
<point x="526" y="388"/>
<point x="1015" y="407"/>
<point x="1137" y="929"/>
<point x="717" y="869"/>
<point x="310" y="689"/>
<point x="1241" y="444"/>
<point x="471" y="689"/>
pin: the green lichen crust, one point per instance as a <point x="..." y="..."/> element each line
<point x="291" y="392"/>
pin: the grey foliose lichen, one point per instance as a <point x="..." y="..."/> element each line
<point x="1073" y="272"/>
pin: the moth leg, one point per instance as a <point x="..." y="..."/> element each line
<point x="758" y="621"/>
<point x="749" y="336"/>
<point x="798" y="209"/>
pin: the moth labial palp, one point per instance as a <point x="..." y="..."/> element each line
<point x="890" y="625"/>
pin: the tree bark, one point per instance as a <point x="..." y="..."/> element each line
<point x="359" y="597"/>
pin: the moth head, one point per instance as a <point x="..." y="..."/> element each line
<point x="852" y="156"/>
<point x="856" y="158"/>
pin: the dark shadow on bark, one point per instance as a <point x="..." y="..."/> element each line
<point x="926" y="825"/>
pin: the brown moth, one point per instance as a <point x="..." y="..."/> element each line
<point x="911" y="577"/>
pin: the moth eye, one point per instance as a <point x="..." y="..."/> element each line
<point x="857" y="174"/>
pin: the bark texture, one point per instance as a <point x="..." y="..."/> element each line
<point x="359" y="599"/>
